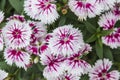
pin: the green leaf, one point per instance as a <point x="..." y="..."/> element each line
<point x="90" y="27"/>
<point x="65" y="1"/>
<point x="4" y="66"/>
<point x="92" y="38"/>
<point x="108" y="53"/>
<point x="62" y="21"/>
<point x="19" y="75"/>
<point x="40" y="67"/>
<point x="106" y="32"/>
<point x="99" y="49"/>
<point x="2" y="4"/>
<point x="17" y="5"/>
<point x="84" y="77"/>
<point x="100" y="42"/>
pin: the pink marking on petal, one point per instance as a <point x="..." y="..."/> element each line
<point x="79" y="5"/>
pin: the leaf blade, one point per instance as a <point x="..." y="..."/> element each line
<point x="17" y="5"/>
<point x="99" y="49"/>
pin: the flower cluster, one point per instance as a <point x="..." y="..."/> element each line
<point x="61" y="52"/>
<point x="21" y="39"/>
<point x="107" y="22"/>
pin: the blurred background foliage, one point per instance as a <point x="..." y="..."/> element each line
<point x="92" y="34"/>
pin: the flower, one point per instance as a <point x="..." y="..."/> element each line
<point x="100" y="71"/>
<point x="65" y="40"/>
<point x="16" y="34"/>
<point x="44" y="10"/>
<point x="53" y="64"/>
<point x="1" y="16"/>
<point x="20" y="58"/>
<point x="113" y="39"/>
<point x="3" y="75"/>
<point x="84" y="8"/>
<point x="106" y="4"/>
<point x="1" y="41"/>
<point x="76" y="65"/>
<point x="107" y="21"/>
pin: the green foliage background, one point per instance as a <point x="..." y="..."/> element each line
<point x="92" y="34"/>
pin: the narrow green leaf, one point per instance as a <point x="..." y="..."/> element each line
<point x="108" y="53"/>
<point x="99" y="49"/>
<point x="33" y="76"/>
<point x="19" y="75"/>
<point x="106" y="32"/>
<point x="2" y="4"/>
<point x="100" y="42"/>
<point x="17" y="5"/>
<point x="62" y="21"/>
<point x="90" y="27"/>
<point x="92" y="38"/>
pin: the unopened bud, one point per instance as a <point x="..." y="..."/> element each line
<point x="36" y="60"/>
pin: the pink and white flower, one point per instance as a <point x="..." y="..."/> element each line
<point x="76" y="65"/>
<point x="100" y="71"/>
<point x="84" y="8"/>
<point x="3" y="75"/>
<point x="113" y="39"/>
<point x="106" y="4"/>
<point x="53" y="64"/>
<point x="20" y="58"/>
<point x="107" y="21"/>
<point x="17" y="34"/>
<point x="65" y="40"/>
<point x="1" y="16"/>
<point x="44" y="10"/>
